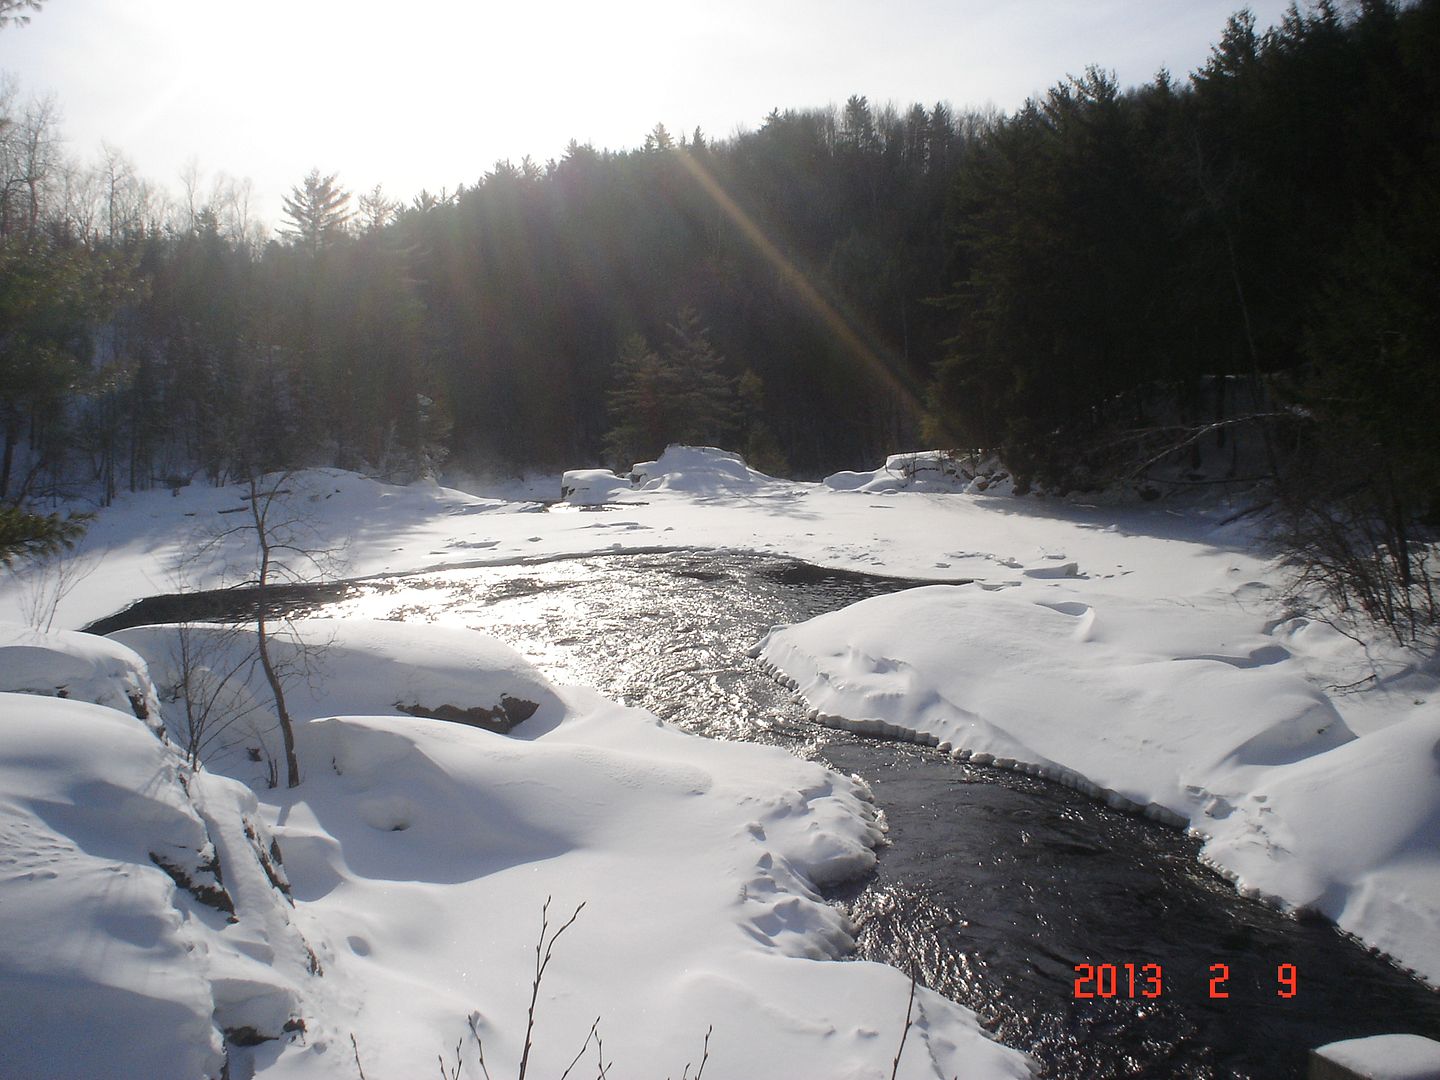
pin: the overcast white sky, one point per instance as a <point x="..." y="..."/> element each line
<point x="430" y="93"/>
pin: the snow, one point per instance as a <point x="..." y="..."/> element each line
<point x="1387" y="1057"/>
<point x="420" y="853"/>
<point x="1145" y="654"/>
<point x="929" y="470"/>
<point x="592" y="487"/>
<point x="703" y="471"/>
<point x="95" y="929"/>
<point x="82" y="666"/>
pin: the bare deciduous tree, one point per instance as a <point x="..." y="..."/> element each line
<point x="283" y="548"/>
<point x="49" y="579"/>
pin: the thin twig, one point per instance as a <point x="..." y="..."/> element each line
<point x="543" y="950"/>
<point x="705" y="1056"/>
<point x="909" y="1013"/>
<point x="454" y="1074"/>
<point x="356" y="1047"/>
<point x="474" y="1020"/>
<point x="603" y="1072"/>
<point x="1341" y="689"/>
<point x="579" y="1053"/>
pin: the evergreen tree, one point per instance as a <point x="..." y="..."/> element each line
<point x="318" y="210"/>
<point x="678" y="395"/>
<point x="27" y="535"/>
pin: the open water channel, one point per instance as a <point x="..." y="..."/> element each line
<point x="995" y="885"/>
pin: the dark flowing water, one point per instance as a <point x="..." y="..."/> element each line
<point x="995" y="885"/>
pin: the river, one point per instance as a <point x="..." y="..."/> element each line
<point x="994" y="885"/>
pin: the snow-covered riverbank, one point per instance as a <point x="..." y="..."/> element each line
<point x="1135" y="651"/>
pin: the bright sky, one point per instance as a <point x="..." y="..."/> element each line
<point x="430" y="93"/>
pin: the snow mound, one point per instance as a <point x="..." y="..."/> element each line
<point x="84" y="667"/>
<point x="137" y="898"/>
<point x="942" y="471"/>
<point x="701" y="470"/>
<point x="1157" y="707"/>
<point x="592" y="487"/>
<point x="355" y="667"/>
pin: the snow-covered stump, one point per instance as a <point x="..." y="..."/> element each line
<point x="1380" y="1057"/>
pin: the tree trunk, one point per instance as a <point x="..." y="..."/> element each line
<point x="282" y="714"/>
<point x="8" y="460"/>
<point x="287" y="728"/>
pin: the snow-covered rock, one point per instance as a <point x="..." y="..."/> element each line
<point x="139" y="897"/>
<point x="83" y="667"/>
<point x="929" y="471"/>
<point x="592" y="487"/>
<point x="356" y="667"/>
<point x="703" y="471"/>
<point x="139" y="927"/>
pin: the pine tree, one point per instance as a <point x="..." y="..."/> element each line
<point x="678" y="395"/>
<point x="25" y="534"/>
<point x="318" y="210"/>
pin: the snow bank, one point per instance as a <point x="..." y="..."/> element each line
<point x="943" y="471"/>
<point x="80" y="666"/>
<point x="1174" y="709"/>
<point x="143" y="913"/>
<point x="356" y="667"/>
<point x="702" y="471"/>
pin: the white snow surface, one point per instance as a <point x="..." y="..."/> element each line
<point x="1387" y="1057"/>
<point x="1144" y="653"/>
<point x="82" y="666"/>
<point x="107" y="966"/>
<point x="942" y="471"/>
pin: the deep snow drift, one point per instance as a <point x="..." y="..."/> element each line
<point x="1143" y="653"/>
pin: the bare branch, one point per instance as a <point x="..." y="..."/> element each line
<point x="909" y="1022"/>
<point x="543" y="950"/>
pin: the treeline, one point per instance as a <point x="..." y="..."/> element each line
<point x="149" y="338"/>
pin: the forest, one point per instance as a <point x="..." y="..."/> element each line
<point x="1237" y="269"/>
